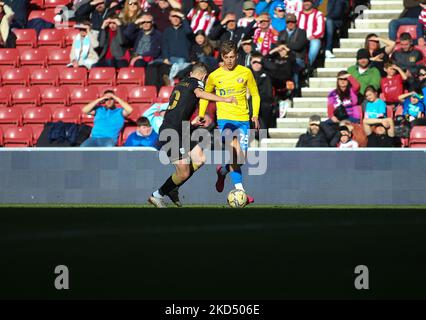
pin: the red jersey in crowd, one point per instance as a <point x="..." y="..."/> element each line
<point x="201" y="20"/>
<point x="313" y="23"/>
<point x="392" y="88"/>
<point x="422" y="18"/>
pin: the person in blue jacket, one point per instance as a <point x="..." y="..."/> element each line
<point x="278" y="18"/>
<point x="144" y="136"/>
<point x="270" y="5"/>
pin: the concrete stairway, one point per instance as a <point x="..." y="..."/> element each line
<point x="314" y="98"/>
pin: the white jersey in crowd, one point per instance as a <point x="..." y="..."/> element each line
<point x="352" y="144"/>
<point x="293" y="6"/>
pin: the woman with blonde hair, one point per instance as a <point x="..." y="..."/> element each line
<point x="131" y="12"/>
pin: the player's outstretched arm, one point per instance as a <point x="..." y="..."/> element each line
<point x="212" y="97"/>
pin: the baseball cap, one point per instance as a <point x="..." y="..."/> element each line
<point x="362" y="54"/>
<point x="281" y="6"/>
<point x="290" y="17"/>
<point x="315" y="119"/>
<point x="248" y="5"/>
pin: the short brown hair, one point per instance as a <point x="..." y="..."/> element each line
<point x="228" y="46"/>
<point x="143" y="121"/>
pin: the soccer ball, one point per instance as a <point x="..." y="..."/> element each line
<point x="237" y="199"/>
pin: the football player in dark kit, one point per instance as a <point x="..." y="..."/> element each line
<point x="187" y="156"/>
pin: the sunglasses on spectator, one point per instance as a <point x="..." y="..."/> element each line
<point x="280" y="10"/>
<point x="263" y="21"/>
<point x="342" y="79"/>
<point x="145" y="22"/>
<point x="422" y="74"/>
<point x="291" y="21"/>
<point x="230" y="21"/>
<point x="132" y="3"/>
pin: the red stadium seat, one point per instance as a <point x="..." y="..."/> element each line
<point x="37" y="115"/>
<point x="10" y="116"/>
<point x="70" y="35"/>
<point x="37" y="129"/>
<point x="126" y="133"/>
<point x="9" y="57"/>
<point x="82" y="96"/>
<point x="5" y="97"/>
<point x="56" y="3"/>
<point x="103" y="76"/>
<point x="87" y="119"/>
<point x="28" y="96"/>
<point x="138" y="110"/>
<point x="73" y="76"/>
<point x="144" y="94"/>
<point x="131" y="76"/>
<point x="18" y="137"/>
<point x="164" y="94"/>
<point x="26" y="38"/>
<point x="53" y="95"/>
<point x="66" y="114"/>
<point x="34" y="57"/>
<point x="58" y="57"/>
<point x="411" y="29"/>
<point x="38" y="3"/>
<point x="15" y="77"/>
<point x="45" y="77"/>
<point x="120" y="91"/>
<point x="1" y="137"/>
<point x="51" y="38"/>
<point x="46" y="15"/>
<point x="418" y="137"/>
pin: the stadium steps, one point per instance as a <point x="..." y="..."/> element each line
<point x="314" y="98"/>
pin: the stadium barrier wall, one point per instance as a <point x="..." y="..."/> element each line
<point x="293" y="176"/>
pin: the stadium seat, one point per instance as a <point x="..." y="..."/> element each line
<point x="144" y="94"/>
<point x="54" y="95"/>
<point x="70" y="35"/>
<point x="138" y="110"/>
<point x="26" y="38"/>
<point x="18" y="137"/>
<point x="28" y="96"/>
<point x="51" y="38"/>
<point x="44" y="77"/>
<point x="10" y="116"/>
<point x="119" y="91"/>
<point x="411" y="29"/>
<point x="37" y="115"/>
<point x="9" y="57"/>
<point x="5" y="97"/>
<point x="82" y="96"/>
<point x="131" y="76"/>
<point x="66" y="114"/>
<point x="87" y="119"/>
<point x="1" y="137"/>
<point x="46" y="15"/>
<point x="15" y="77"/>
<point x="73" y="76"/>
<point x="56" y="3"/>
<point x="34" y="58"/>
<point x="102" y="76"/>
<point x="418" y="137"/>
<point x="37" y="129"/>
<point x="58" y="57"/>
<point x="164" y="94"/>
<point x="126" y="133"/>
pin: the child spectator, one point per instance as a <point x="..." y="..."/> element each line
<point x="248" y="9"/>
<point x="83" y="52"/>
<point x="392" y="85"/>
<point x="278" y="18"/>
<point x="203" y="51"/>
<point x="144" y="136"/>
<point x="203" y="16"/>
<point x="375" y="108"/>
<point x="346" y="141"/>
<point x="413" y="107"/>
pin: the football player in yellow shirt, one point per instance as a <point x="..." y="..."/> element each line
<point x="233" y="80"/>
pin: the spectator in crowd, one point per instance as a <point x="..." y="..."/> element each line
<point x="83" y="52"/>
<point x="144" y="136"/>
<point x="278" y="18"/>
<point x="380" y="133"/>
<point x="245" y="52"/>
<point x="407" y="57"/>
<point x="294" y="6"/>
<point x="233" y="6"/>
<point x="95" y="11"/>
<point x="264" y="84"/>
<point x="203" y="51"/>
<point x="317" y="136"/>
<point x="336" y="10"/>
<point x="392" y="86"/>
<point x="279" y="65"/>
<point x="379" y="56"/>
<point x="422" y="20"/>
<point x="7" y="38"/>
<point x="417" y="81"/>
<point x="155" y="115"/>
<point x="227" y="30"/>
<point x="375" y="107"/>
<point x="264" y="36"/>
<point x="364" y="73"/>
<point x="108" y="121"/>
<point x="112" y="44"/>
<point x="345" y="139"/>
<point x="345" y="95"/>
<point x="20" y="10"/>
<point x="131" y="12"/>
<point x="413" y="106"/>
<point x="249" y="10"/>
<point x="203" y="16"/>
<point x="297" y="41"/>
<point x="161" y="10"/>
<point x="410" y="16"/>
<point x="312" y="20"/>
<point x="146" y="40"/>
